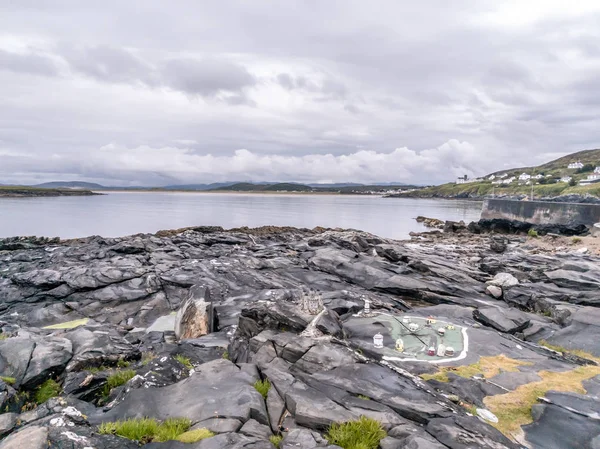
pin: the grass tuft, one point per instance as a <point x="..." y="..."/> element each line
<point x="148" y="357"/>
<point x="514" y="409"/>
<point x="48" y="390"/>
<point x="117" y="379"/>
<point x="146" y="430"/>
<point x="3" y="336"/>
<point x="276" y="440"/>
<point x="185" y="361"/>
<point x="263" y="387"/>
<point x="172" y="428"/>
<point x="532" y="233"/>
<point x="362" y="396"/>
<point x="123" y="364"/>
<point x="9" y="380"/>
<point x="364" y="433"/>
<point x="226" y="355"/>
<point x="488" y="366"/>
<point x="194" y="436"/>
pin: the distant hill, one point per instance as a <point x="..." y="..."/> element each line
<point x="214" y="185"/>
<point x="547" y="187"/>
<point x="558" y="166"/>
<point x="343" y="188"/>
<point x="69" y="185"/>
<point x="293" y="187"/>
<point x="278" y="187"/>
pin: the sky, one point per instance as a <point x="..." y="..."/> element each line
<point x="148" y="92"/>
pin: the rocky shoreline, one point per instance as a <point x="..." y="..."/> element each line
<point x="264" y="338"/>
<point x="570" y="198"/>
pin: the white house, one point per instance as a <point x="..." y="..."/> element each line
<point x="503" y="175"/>
<point x="509" y="180"/>
<point x="524" y="177"/>
<point x="538" y="176"/>
<point x="576" y="165"/>
<point x="591" y="179"/>
<point x="565" y="179"/>
<point x="492" y="177"/>
<point x="597" y="169"/>
<point x="462" y="179"/>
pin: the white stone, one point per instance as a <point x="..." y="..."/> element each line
<point x="494" y="291"/>
<point x="487" y="415"/>
<point x="504" y="280"/>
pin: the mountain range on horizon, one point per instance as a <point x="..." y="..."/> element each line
<point x="243" y="185"/>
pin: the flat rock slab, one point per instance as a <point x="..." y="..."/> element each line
<point x="35" y="437"/>
<point x="217" y="389"/>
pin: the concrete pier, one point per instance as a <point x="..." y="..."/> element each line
<point x="538" y="212"/>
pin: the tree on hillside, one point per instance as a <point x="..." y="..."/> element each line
<point x="586" y="168"/>
<point x="572" y="182"/>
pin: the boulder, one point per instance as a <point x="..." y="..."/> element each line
<point x="504" y="280"/>
<point x="504" y="320"/>
<point x="49" y="359"/>
<point x="15" y="354"/>
<point x="565" y="421"/>
<point x="494" y="291"/>
<point x="195" y="317"/>
<point x="97" y="345"/>
<point x="498" y="244"/>
<point x="34" y="437"/>
<point x="8" y="421"/>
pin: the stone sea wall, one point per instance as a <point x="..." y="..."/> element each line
<point x="539" y="212"/>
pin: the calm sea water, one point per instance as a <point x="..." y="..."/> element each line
<point x="117" y="214"/>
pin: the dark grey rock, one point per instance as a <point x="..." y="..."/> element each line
<point x="219" y="425"/>
<point x="555" y="426"/>
<point x="253" y="428"/>
<point x="49" y="359"/>
<point x="468" y="433"/>
<point x="324" y="357"/>
<point x="15" y="354"/>
<point x="34" y="437"/>
<point x="217" y="389"/>
<point x="8" y="421"/>
<point x="391" y="443"/>
<point x="504" y="320"/>
<point x="276" y="409"/>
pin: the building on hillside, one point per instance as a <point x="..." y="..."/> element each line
<point x="462" y="179"/>
<point x="492" y="177"/>
<point x="575" y="165"/>
<point x="509" y="180"/>
<point x="524" y="177"/>
<point x="503" y="175"/>
<point x="565" y="179"/>
<point x="591" y="179"/>
<point x="597" y="169"/>
<point x="538" y="176"/>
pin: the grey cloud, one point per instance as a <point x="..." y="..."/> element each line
<point x="378" y="77"/>
<point x="206" y="77"/>
<point x="115" y="65"/>
<point x="27" y="63"/>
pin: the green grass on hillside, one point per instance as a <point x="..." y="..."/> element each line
<point x="487" y="188"/>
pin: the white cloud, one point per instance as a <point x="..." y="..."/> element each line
<point x="402" y="164"/>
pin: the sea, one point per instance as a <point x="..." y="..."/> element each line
<point x="118" y="214"/>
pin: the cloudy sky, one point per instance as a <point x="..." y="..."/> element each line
<point x="126" y="92"/>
